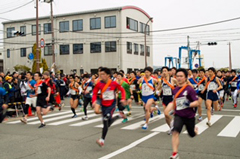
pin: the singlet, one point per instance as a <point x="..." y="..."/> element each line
<point x="146" y="90"/>
<point x="167" y="91"/>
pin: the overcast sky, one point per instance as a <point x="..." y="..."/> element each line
<point x="167" y="14"/>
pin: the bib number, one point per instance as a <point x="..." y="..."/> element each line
<point x="180" y="102"/>
<point x="108" y="95"/>
<point x="234" y="84"/>
<point x="167" y="91"/>
<point x="133" y="87"/>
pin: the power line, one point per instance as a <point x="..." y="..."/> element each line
<point x="17" y="7"/>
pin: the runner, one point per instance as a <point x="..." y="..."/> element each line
<point x="107" y="101"/>
<point x="42" y="92"/>
<point x="148" y="94"/>
<point x="233" y="85"/>
<point x="49" y="82"/>
<point x="201" y="95"/>
<point x="87" y="87"/>
<point x="213" y="86"/>
<point x="74" y="91"/>
<point x="134" y="86"/>
<point x="30" y="101"/>
<point x="220" y="92"/>
<point x="3" y="104"/>
<point x="167" y="86"/>
<point x="128" y="93"/>
<point x="185" y="100"/>
<point x="194" y="80"/>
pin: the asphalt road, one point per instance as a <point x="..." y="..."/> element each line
<point x="65" y="138"/>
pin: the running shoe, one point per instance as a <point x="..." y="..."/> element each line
<point x="125" y="120"/>
<point x="169" y="132"/>
<point x="212" y="112"/>
<point x="176" y="156"/>
<point x="145" y="127"/>
<point x="235" y="105"/>
<point x="151" y="115"/>
<point x="208" y="124"/>
<point x="52" y="108"/>
<point x="100" y="143"/>
<point x="23" y="120"/>
<point x="74" y="116"/>
<point x="129" y="114"/>
<point x="200" y="118"/>
<point x="85" y="118"/>
<point x="159" y="112"/>
<point x="230" y="98"/>
<point x="42" y="125"/>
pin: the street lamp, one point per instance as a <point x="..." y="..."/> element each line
<point x="145" y="39"/>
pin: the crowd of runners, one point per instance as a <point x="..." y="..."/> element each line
<point x="182" y="93"/>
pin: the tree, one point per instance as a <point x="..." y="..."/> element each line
<point x="44" y="64"/>
<point x="34" y="66"/>
<point x="22" y="68"/>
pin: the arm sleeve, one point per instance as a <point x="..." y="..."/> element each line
<point x="238" y="85"/>
<point x="95" y="92"/>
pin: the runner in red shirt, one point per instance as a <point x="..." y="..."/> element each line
<point x="108" y="90"/>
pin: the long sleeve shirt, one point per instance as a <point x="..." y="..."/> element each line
<point x="109" y="96"/>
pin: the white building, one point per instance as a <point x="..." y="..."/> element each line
<point x="84" y="41"/>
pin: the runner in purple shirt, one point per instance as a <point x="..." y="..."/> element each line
<point x="184" y="103"/>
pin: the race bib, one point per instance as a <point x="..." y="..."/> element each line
<point x="39" y="91"/>
<point x="108" y="95"/>
<point x="212" y="86"/>
<point x="133" y="87"/>
<point x="234" y="84"/>
<point x="195" y="86"/>
<point x="167" y="91"/>
<point x="89" y="89"/>
<point x="180" y="103"/>
<point x="146" y="89"/>
<point x="72" y="92"/>
<point x="200" y="87"/>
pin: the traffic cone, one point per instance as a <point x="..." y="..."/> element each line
<point x="30" y="111"/>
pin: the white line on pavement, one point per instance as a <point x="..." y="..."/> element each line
<point x="135" y="143"/>
<point x="232" y="129"/>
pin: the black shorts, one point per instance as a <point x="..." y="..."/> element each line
<point x="120" y="106"/>
<point x="179" y="122"/>
<point x="52" y="99"/>
<point x="202" y="95"/>
<point x="108" y="111"/>
<point x="166" y="100"/>
<point x="74" y="97"/>
<point x="41" y="102"/>
<point x="135" y="95"/>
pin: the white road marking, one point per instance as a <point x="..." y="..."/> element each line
<point x="232" y="129"/>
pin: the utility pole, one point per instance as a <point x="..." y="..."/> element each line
<point x="230" y="57"/>
<point x="53" y="52"/>
<point x="37" y="50"/>
<point x="188" y="45"/>
<point x="145" y="39"/>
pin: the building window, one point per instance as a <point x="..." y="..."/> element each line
<point x="64" y="26"/>
<point x="77" y="25"/>
<point x="34" y="29"/>
<point x="95" y="23"/>
<point x="23" y="52"/>
<point x="110" y="46"/>
<point x="64" y="49"/>
<point x="81" y="71"/>
<point x="142" y="50"/>
<point x="77" y="48"/>
<point x="110" y="22"/>
<point x="132" y="24"/>
<point x="129" y="48"/>
<point x="136" y="50"/>
<point x="10" y="32"/>
<point x="47" y="28"/>
<point x="148" y="51"/>
<point x="96" y="47"/>
<point x="142" y="28"/>
<point x="8" y="53"/>
<point x="48" y="50"/>
<point x="23" y="30"/>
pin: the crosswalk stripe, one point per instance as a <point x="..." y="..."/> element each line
<point x="88" y="122"/>
<point x="120" y="121"/>
<point x="46" y="116"/>
<point x="72" y="119"/>
<point x="54" y="119"/>
<point x="232" y="129"/>
<point x="138" y="124"/>
<point x="162" y="128"/>
<point x="202" y="126"/>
